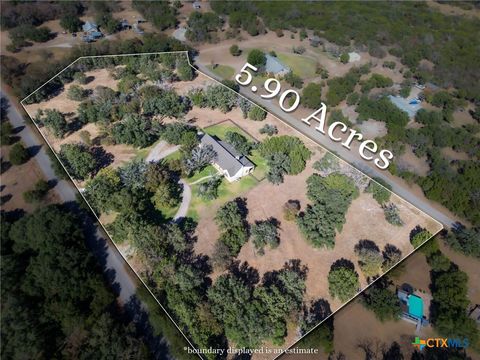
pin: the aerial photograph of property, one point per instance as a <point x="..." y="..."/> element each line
<point x="240" y="180"/>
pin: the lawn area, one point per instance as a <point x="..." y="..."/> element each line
<point x="209" y="170"/>
<point x="173" y="156"/>
<point x="302" y="66"/>
<point x="168" y="212"/>
<point x="220" y="130"/>
<point x="224" y="71"/>
<point x="226" y="191"/>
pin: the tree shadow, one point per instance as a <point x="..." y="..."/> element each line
<point x="342" y="263"/>
<point x="34" y="150"/>
<point x="367" y="245"/>
<point x="5" y="199"/>
<point x="243" y="271"/>
<point x="103" y="158"/>
<point x="4" y="166"/>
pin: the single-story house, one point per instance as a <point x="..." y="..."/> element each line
<point x="124" y="25"/>
<point x="275" y="66"/>
<point x="137" y="29"/>
<point x="228" y="161"/>
<point x="196" y="5"/>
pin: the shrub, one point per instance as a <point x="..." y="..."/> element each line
<point x="18" y="154"/>
<point x="269" y="130"/>
<point x="38" y="193"/>
<point x="291" y="209"/>
<point x="344" y="58"/>
<point x="343" y="281"/>
<point x="76" y="93"/>
<point x="257" y="58"/>
<point x="312" y="96"/>
<point x="235" y="50"/>
<point x="256" y="113"/>
<point x="392" y="215"/>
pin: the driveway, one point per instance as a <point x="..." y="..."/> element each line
<point x="160" y="151"/>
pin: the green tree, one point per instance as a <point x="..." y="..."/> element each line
<point x="18" y="155"/>
<point x="391" y="214"/>
<point x="76" y="93"/>
<point x="257" y="58"/>
<point x="134" y="129"/>
<point x="71" y="23"/>
<point x="370" y="259"/>
<point x="343" y="281"/>
<point x="344" y="58"/>
<point x="209" y="189"/>
<point x="78" y="160"/>
<point x="419" y="236"/>
<point x="383" y="302"/>
<point x="100" y="190"/>
<point x="265" y="233"/>
<point x="55" y="121"/>
<point x="235" y="50"/>
<point x="379" y="193"/>
<point x="239" y="142"/>
<point x="312" y="95"/>
<point x="256" y="113"/>
<point x="166" y="195"/>
<point x="230" y="219"/>
<point x="37" y="193"/>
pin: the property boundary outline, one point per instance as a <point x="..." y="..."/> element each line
<point x="284" y="122"/>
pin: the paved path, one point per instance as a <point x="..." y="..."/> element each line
<point x="160" y="151"/>
<point x="114" y="262"/>
<point x="201" y="179"/>
<point x="335" y="147"/>
<point x="186" y="198"/>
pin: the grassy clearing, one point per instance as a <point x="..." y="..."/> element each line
<point x="220" y="130"/>
<point x="209" y="170"/>
<point x="168" y="212"/>
<point x="302" y="66"/>
<point x="226" y="191"/>
<point x="223" y="71"/>
<point x="173" y="156"/>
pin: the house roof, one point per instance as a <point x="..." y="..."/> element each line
<point x="415" y="306"/>
<point x="227" y="158"/>
<point x="89" y="26"/>
<point x="274" y="65"/>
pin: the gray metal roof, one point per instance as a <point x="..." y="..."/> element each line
<point x="227" y="158"/>
<point x="274" y="65"/>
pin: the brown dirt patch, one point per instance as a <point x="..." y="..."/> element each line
<point x="19" y="179"/>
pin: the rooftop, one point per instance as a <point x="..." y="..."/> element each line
<point x="227" y="158"/>
<point x="274" y="65"/>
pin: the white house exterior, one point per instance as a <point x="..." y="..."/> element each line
<point x="229" y="162"/>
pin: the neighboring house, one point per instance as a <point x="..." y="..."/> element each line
<point x="91" y="32"/>
<point x="229" y="161"/>
<point x="89" y="27"/>
<point x="196" y="5"/>
<point x="275" y="66"/>
<point x="412" y="305"/>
